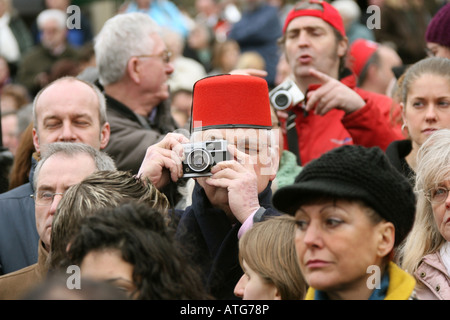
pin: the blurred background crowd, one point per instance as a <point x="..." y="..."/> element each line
<point x="205" y="36"/>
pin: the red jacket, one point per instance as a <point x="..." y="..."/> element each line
<point x="372" y="125"/>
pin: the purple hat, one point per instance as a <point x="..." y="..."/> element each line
<point x="439" y="26"/>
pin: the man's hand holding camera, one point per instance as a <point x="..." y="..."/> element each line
<point x="239" y="178"/>
<point x="163" y="160"/>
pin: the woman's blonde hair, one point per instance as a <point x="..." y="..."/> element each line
<point x="268" y="248"/>
<point x="433" y="167"/>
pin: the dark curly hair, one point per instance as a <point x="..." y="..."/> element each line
<point x="146" y="242"/>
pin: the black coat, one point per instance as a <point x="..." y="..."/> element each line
<point x="211" y="241"/>
<point x="396" y="153"/>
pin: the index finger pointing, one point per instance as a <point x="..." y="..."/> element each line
<point x="324" y="78"/>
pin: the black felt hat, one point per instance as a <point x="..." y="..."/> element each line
<point x="354" y="173"/>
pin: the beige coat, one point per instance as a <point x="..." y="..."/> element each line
<point x="14" y="285"/>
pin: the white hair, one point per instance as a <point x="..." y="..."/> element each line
<point x="348" y="9"/>
<point x="52" y="14"/>
<point x="122" y="36"/>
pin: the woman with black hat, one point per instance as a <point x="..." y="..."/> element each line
<point x="352" y="209"/>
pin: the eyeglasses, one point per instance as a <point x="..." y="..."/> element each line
<point x="165" y="56"/>
<point x="437" y="195"/>
<point x="45" y="198"/>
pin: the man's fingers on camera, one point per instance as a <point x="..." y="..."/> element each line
<point x="229" y="169"/>
<point x="218" y="183"/>
<point x="238" y="155"/>
<point x="160" y="152"/>
<point x="171" y="140"/>
<point x="226" y="168"/>
<point x="154" y="169"/>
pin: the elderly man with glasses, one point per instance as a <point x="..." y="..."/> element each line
<point x="63" y="164"/>
<point x="134" y="66"/>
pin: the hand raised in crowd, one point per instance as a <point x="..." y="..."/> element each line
<point x="332" y="94"/>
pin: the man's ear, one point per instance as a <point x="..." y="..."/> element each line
<point x="342" y="47"/>
<point x="133" y="69"/>
<point x="371" y="71"/>
<point x="105" y="135"/>
<point x="36" y="140"/>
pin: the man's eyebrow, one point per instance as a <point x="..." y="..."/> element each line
<point x="51" y="116"/>
<point x="307" y="28"/>
<point x="45" y="187"/>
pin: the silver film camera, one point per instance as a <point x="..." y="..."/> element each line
<point x="286" y="95"/>
<point x="201" y="156"/>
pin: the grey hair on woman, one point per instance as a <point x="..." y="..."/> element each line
<point x="433" y="167"/>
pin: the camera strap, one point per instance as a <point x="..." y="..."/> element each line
<point x="292" y="137"/>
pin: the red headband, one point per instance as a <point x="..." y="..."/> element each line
<point x="231" y="101"/>
<point x="328" y="14"/>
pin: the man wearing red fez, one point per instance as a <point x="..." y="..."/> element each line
<point x="335" y="112"/>
<point x="236" y="193"/>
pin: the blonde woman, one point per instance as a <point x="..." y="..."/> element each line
<point x="267" y="255"/>
<point x="426" y="251"/>
<point x="425" y="92"/>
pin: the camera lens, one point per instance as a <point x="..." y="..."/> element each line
<point x="282" y="100"/>
<point x="198" y="160"/>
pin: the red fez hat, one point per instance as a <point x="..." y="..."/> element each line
<point x="230" y="101"/>
<point x="360" y="52"/>
<point x="328" y="14"/>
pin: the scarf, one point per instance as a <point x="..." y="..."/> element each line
<point x="445" y="256"/>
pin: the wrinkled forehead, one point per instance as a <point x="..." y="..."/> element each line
<point x="65" y="93"/>
<point x="234" y="136"/>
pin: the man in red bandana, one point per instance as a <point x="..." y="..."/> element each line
<point x="334" y="112"/>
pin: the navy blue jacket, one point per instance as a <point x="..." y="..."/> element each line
<point x="259" y="30"/>
<point x="18" y="235"/>
<point x="211" y="241"/>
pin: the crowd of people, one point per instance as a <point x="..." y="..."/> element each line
<point x="154" y="157"/>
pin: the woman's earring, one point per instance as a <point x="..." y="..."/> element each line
<point x="404" y="126"/>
